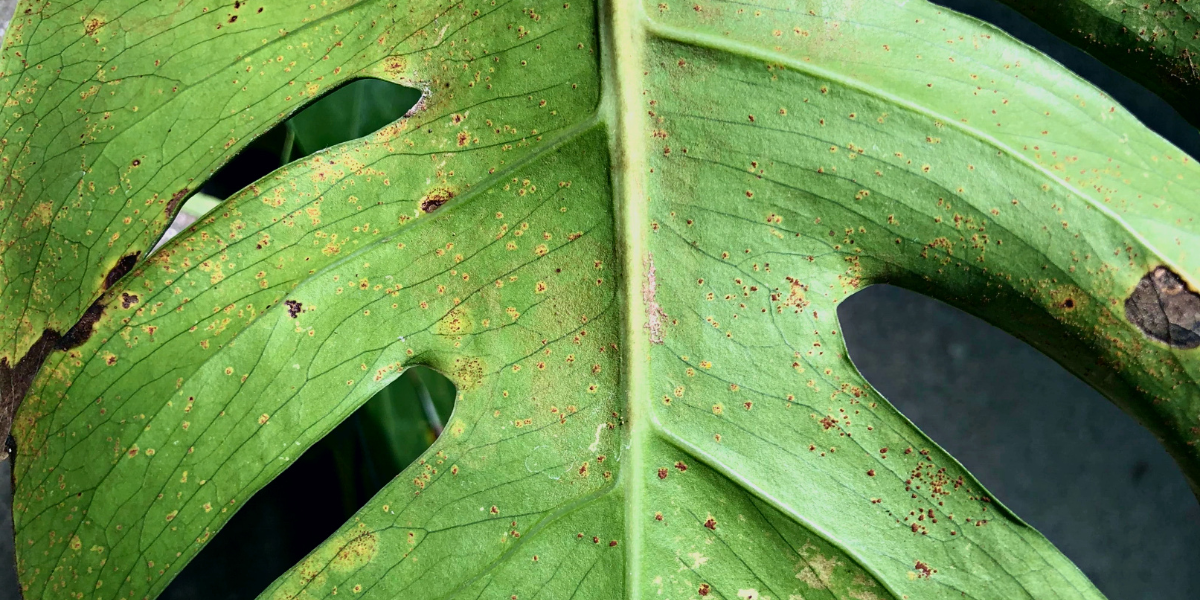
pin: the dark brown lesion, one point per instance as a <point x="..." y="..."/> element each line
<point x="17" y="377"/>
<point x="434" y="199"/>
<point x="123" y="266"/>
<point x="1164" y="308"/>
<point x="176" y="198"/>
<point x="293" y="307"/>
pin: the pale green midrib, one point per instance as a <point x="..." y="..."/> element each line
<point x="622" y="29"/>
<point x="701" y="40"/>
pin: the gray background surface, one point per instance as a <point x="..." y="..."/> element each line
<point x="1065" y="459"/>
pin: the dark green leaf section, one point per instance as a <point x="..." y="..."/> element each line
<point x="1157" y="44"/>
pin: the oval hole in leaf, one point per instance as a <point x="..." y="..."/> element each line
<point x="320" y="491"/>
<point x="1062" y="457"/>
<point x="351" y="111"/>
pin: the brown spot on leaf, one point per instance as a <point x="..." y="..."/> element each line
<point x="923" y="570"/>
<point x="1165" y="309"/>
<point x="434" y="199"/>
<point x="293" y="307"/>
<point x="93" y="25"/>
<point x="128" y="299"/>
<point x="176" y="198"/>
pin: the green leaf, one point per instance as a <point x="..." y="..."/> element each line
<point x="1156" y="45"/>
<point x="622" y="232"/>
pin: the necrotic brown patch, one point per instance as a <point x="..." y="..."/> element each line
<point x="123" y="266"/>
<point x="435" y="199"/>
<point x="1165" y="309"/>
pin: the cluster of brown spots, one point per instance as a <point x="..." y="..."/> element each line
<point x="924" y="571"/>
<point x="293" y="307"/>
<point x="795" y="298"/>
<point x="128" y="300"/>
<point x="467" y="373"/>
<point x="91" y="26"/>
<point x="711" y="523"/>
<point x="356" y="552"/>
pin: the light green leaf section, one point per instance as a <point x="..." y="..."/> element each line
<point x="623" y="232"/>
<point x="1155" y="44"/>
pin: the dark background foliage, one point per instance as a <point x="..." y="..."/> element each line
<point x="1061" y="456"/>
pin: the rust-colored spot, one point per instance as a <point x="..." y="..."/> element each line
<point x="704" y="589"/>
<point x="1165" y="309"/>
<point x="681" y="466"/>
<point x="662" y="473"/>
<point x="711" y="523"/>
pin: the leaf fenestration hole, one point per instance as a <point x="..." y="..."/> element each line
<point x="321" y="490"/>
<point x="351" y="111"/>
<point x="1061" y="456"/>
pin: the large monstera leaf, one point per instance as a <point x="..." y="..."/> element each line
<point x="622" y="230"/>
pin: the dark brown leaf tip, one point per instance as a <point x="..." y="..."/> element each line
<point x="1165" y="309"/>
